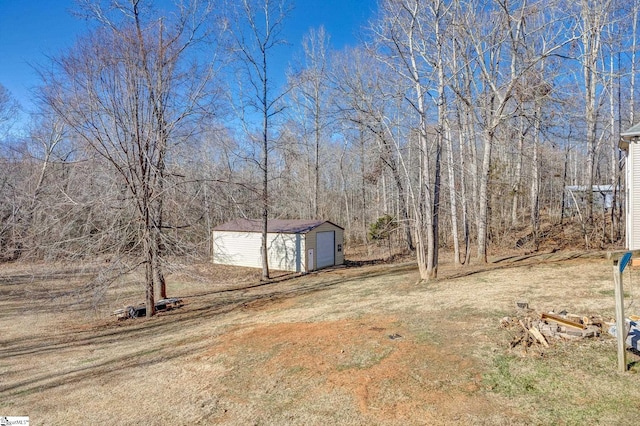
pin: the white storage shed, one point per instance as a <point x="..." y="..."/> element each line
<point x="292" y="245"/>
<point x="630" y="142"/>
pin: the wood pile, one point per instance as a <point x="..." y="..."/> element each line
<point x="533" y="330"/>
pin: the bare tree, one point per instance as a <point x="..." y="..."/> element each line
<point x="129" y="91"/>
<point x="594" y="17"/>
<point x="9" y="109"/>
<point x="497" y="93"/>
<point x="8" y="207"/>
<point x="310" y="94"/>
<point x="499" y="65"/>
<point x="366" y="103"/>
<point x="635" y="12"/>
<point x="255" y="27"/>
<point x="407" y="33"/>
<point x="48" y="132"/>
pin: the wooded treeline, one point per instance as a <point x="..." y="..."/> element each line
<point x="460" y="119"/>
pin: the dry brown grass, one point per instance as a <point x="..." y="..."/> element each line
<point x="362" y="345"/>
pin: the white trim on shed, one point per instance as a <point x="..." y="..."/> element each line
<point x="293" y="245"/>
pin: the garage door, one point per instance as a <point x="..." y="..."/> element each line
<point x="325" y="249"/>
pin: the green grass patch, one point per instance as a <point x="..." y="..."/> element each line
<point x="89" y="360"/>
<point x="423" y="330"/>
<point x="510" y="379"/>
<point x="611" y="293"/>
<point x="573" y="383"/>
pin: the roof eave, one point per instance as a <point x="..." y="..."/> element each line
<point x="632" y="133"/>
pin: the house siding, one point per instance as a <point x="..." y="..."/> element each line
<point x="633" y="194"/>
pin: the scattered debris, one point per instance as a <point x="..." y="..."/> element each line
<point x="395" y="336"/>
<point x="140" y="309"/>
<point x="539" y="337"/>
<point x="632" y="331"/>
<point x="534" y="329"/>
<point x="564" y="321"/>
<point x="168" y="304"/>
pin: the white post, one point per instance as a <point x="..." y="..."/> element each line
<point x="621" y="326"/>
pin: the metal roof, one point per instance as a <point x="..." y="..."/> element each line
<point x="281" y="226"/>
<point x="632" y="132"/>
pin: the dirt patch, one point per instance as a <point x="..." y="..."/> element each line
<point x="375" y="361"/>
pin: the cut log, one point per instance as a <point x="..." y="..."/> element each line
<point x="539" y="337"/>
<point x="563" y="321"/>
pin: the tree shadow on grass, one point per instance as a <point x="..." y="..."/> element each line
<point x="115" y="365"/>
<point x="199" y="309"/>
<point x="209" y="306"/>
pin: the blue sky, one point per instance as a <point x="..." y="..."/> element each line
<point x="31" y="30"/>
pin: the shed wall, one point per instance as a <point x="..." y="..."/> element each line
<point x="339" y="242"/>
<point x="286" y="251"/>
<point x="236" y="248"/>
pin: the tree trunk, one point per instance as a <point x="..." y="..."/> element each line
<point x="363" y="186"/>
<point x="594" y="15"/>
<point x="428" y="270"/>
<point x="517" y="180"/>
<point x="435" y="245"/>
<point x="316" y="213"/>
<point x="535" y="186"/>
<point x="453" y="201"/>
<point x="463" y="197"/>
<point x="483" y="199"/>
<point x="390" y="161"/>
<point x="148" y="246"/>
<point x="265" y="201"/>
